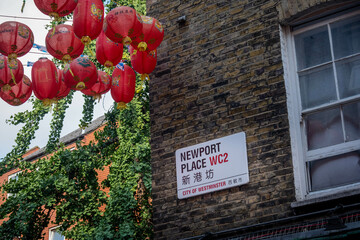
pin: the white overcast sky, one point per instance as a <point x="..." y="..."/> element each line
<point x="73" y="114"/>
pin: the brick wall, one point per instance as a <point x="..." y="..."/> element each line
<point x="221" y="73"/>
<point x="87" y="136"/>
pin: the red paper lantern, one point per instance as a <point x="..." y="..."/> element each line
<point x="56" y="8"/>
<point x="19" y="93"/>
<point x="11" y="73"/>
<point x="80" y="74"/>
<point x="88" y="20"/>
<point x="152" y="34"/>
<point x="63" y="88"/>
<point x="45" y="80"/>
<point x="143" y="62"/>
<point x="108" y="53"/>
<point x="63" y="44"/>
<point x="123" y="25"/>
<point x="123" y="85"/>
<point x="16" y="39"/>
<point x="102" y="86"/>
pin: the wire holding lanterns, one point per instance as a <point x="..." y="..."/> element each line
<point x="121" y="26"/>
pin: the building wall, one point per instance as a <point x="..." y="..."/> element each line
<point x="221" y="73"/>
<point x="87" y="136"/>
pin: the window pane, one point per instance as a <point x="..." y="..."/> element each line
<point x="324" y="129"/>
<point x="317" y="87"/>
<point x="352" y="121"/>
<point x="348" y="74"/>
<point x="57" y="236"/>
<point x="335" y="171"/>
<point x="312" y="48"/>
<point x="346" y="37"/>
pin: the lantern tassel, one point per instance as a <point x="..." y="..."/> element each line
<point x="108" y="64"/>
<point x="144" y="76"/>
<point x="121" y="105"/>
<point x="142" y="46"/>
<point x="86" y="40"/>
<point x="80" y="86"/>
<point x="127" y="40"/>
<point x="97" y="97"/>
<point x="47" y="102"/>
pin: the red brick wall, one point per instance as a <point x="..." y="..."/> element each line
<point x="90" y="137"/>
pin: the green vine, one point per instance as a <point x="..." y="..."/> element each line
<point x="31" y="120"/>
<point x="57" y="122"/>
<point x="88" y="111"/>
<point x="67" y="181"/>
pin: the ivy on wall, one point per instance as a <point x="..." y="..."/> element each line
<point x="66" y="182"/>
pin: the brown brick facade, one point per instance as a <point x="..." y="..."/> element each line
<point x="220" y="73"/>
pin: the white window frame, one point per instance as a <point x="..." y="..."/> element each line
<point x="300" y="155"/>
<point x="11" y="177"/>
<point x="52" y="231"/>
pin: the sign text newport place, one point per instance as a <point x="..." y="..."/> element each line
<point x="212" y="166"/>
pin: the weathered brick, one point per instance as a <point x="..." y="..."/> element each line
<point x="221" y="73"/>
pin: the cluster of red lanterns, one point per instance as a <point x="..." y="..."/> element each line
<point x="121" y="26"/>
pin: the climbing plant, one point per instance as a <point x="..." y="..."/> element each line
<point x="66" y="182"/>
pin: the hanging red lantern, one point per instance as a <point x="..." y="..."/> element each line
<point x="108" y="53"/>
<point x="19" y="93"/>
<point x="62" y="43"/>
<point x="11" y="73"/>
<point x="80" y="74"/>
<point x="123" y="25"/>
<point x="143" y="62"/>
<point x="63" y="88"/>
<point x="123" y="85"/>
<point x="152" y="34"/>
<point x="88" y="20"/>
<point x="16" y="39"/>
<point x="102" y="86"/>
<point x="45" y="80"/>
<point x="56" y="8"/>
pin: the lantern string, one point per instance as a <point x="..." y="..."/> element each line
<point x="12" y="76"/>
<point x="68" y="66"/>
<point x="138" y="90"/>
<point x="72" y="74"/>
<point x="89" y="49"/>
<point x="86" y="40"/>
<point x="23" y="5"/>
<point x="133" y="53"/>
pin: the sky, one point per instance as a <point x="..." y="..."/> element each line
<point x="36" y="20"/>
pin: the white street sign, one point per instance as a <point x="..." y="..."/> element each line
<point x="212" y="166"/>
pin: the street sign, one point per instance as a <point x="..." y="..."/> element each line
<point x="211" y="166"/>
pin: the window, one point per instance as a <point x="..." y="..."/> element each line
<point x="13" y="177"/>
<point x="322" y="76"/>
<point x="55" y="234"/>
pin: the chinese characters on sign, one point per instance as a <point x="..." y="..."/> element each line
<point x="212" y="166"/>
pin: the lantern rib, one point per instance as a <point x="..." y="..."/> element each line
<point x="59" y="9"/>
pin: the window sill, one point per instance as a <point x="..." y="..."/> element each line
<point x="326" y="202"/>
